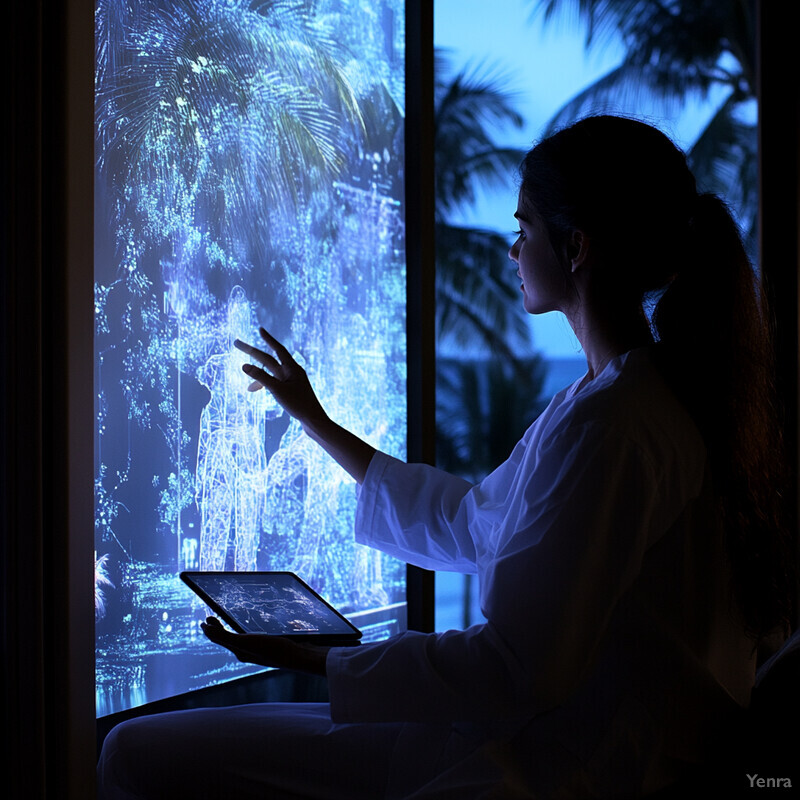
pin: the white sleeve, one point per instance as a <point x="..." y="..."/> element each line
<point x="428" y="517"/>
<point x="414" y="512"/>
<point x="573" y="545"/>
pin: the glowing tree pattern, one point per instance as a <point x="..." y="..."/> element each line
<point x="249" y="171"/>
<point x="231" y="456"/>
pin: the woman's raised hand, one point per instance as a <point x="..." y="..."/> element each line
<point x="289" y="384"/>
<point x="284" y="378"/>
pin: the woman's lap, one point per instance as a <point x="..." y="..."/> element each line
<point x="274" y="750"/>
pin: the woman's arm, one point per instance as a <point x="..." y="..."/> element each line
<point x="568" y="546"/>
<point x="426" y="529"/>
<point x="290" y="386"/>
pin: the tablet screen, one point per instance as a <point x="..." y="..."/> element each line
<point x="269" y="602"/>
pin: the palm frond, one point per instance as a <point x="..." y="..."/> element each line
<point x="676" y="47"/>
<point x="478" y="302"/>
<point x="483" y="408"/>
<point x="176" y="102"/>
<point x="620" y="88"/>
<point x="469" y="110"/>
<point x="724" y="161"/>
<point x="101" y="580"/>
<point x="600" y="18"/>
<point x="676" y="50"/>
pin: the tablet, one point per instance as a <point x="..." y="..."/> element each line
<point x="277" y="603"/>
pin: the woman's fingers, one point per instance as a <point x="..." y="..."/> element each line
<point x="280" y="367"/>
<point x="213" y="629"/>
<point x="253" y="648"/>
<point x="283" y="354"/>
<point x="237" y="643"/>
<point x="283" y="377"/>
<point x="270" y="362"/>
<point x="257" y="374"/>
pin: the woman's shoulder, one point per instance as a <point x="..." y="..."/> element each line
<point x="631" y="398"/>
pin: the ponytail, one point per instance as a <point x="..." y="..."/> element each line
<point x="715" y="331"/>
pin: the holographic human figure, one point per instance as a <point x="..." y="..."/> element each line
<point x="313" y="494"/>
<point x="300" y="464"/>
<point x="368" y="366"/>
<point x="231" y="456"/>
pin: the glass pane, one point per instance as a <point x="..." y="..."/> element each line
<point x="249" y="172"/>
<point x="542" y="70"/>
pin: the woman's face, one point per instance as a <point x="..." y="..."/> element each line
<point x="545" y="283"/>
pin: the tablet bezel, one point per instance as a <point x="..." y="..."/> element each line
<point x="333" y="639"/>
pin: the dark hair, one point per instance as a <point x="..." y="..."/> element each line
<point x="666" y="248"/>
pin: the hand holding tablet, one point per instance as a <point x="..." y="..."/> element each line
<point x="273" y="603"/>
<point x="268" y="650"/>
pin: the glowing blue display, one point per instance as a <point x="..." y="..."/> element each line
<point x="249" y="172"/>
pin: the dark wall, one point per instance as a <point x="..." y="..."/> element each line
<point x="46" y="416"/>
<point x="779" y="174"/>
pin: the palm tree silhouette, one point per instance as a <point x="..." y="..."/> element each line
<point x="483" y="408"/>
<point x="486" y="400"/>
<point x="228" y="111"/>
<point x="477" y="296"/>
<point x="496" y="402"/>
<point x="676" y="50"/>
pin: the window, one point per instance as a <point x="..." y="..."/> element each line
<point x="543" y="71"/>
<point x="249" y="172"/>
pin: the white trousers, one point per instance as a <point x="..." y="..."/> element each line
<point x="278" y="751"/>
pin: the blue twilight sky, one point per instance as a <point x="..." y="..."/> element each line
<point x="544" y="68"/>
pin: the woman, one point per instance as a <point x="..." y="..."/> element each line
<point x="629" y="552"/>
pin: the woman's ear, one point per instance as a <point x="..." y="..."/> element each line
<point x="579" y="250"/>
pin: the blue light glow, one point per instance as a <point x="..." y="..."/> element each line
<point x="249" y="172"/>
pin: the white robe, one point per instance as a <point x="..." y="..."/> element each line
<point x="611" y="655"/>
